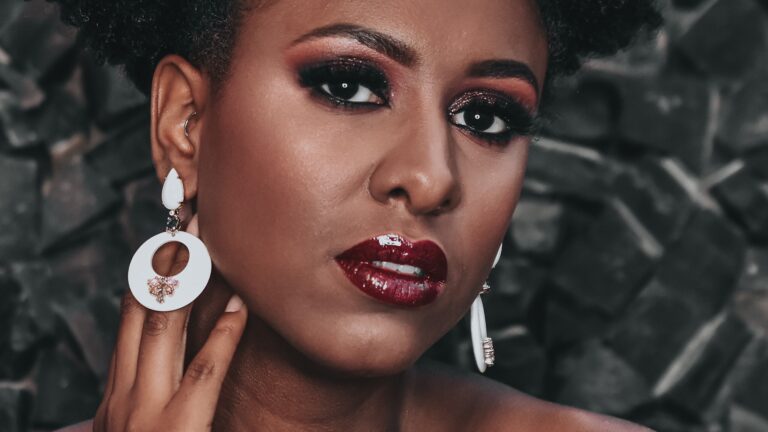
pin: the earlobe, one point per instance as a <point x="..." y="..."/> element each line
<point x="179" y="95"/>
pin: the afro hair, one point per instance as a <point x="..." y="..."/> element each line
<point x="138" y="33"/>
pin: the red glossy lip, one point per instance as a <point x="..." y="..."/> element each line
<point x="391" y="286"/>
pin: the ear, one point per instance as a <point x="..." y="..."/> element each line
<point x="179" y="89"/>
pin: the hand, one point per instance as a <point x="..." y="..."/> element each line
<point x="147" y="389"/>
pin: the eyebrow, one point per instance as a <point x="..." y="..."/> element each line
<point x="393" y="48"/>
<point x="407" y="56"/>
<point x="504" y="69"/>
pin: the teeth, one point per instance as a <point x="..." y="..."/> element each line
<point x="399" y="268"/>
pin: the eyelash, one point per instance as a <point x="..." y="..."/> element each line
<point x="346" y="70"/>
<point x="518" y="120"/>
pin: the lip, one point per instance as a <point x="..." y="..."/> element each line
<point x="390" y="286"/>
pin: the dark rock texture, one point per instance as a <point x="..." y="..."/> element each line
<point x="729" y="40"/>
<point x="668" y="115"/>
<point x="744" y="124"/>
<point x="19" y="200"/>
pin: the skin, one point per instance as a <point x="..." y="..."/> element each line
<point x="284" y="182"/>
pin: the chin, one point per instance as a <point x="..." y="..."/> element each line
<point x="365" y="349"/>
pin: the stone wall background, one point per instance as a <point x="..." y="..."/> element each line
<point x="634" y="280"/>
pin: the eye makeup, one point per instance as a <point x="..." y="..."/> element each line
<point x="357" y="84"/>
<point x="339" y="80"/>
<point x="478" y="110"/>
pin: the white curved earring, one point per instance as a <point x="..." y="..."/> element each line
<point x="167" y="293"/>
<point x="482" y="345"/>
<point x="498" y="257"/>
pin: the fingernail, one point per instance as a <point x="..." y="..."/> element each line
<point x="234" y="305"/>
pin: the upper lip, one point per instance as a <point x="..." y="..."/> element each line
<point x="392" y="247"/>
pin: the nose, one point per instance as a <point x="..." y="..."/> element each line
<point x="419" y="168"/>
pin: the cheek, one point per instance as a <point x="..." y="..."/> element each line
<point x="491" y="195"/>
<point x="262" y="172"/>
<point x="280" y="178"/>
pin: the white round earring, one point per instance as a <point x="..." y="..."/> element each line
<point x="482" y="345"/>
<point x="167" y="293"/>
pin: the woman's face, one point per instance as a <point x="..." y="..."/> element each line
<point x="342" y="121"/>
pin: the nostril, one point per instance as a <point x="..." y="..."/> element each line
<point x="398" y="193"/>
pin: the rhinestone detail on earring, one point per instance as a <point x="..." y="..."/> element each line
<point x="488" y="353"/>
<point x="162" y="286"/>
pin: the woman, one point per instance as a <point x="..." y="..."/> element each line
<point x="310" y="137"/>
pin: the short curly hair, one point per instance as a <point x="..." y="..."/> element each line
<point x="138" y="33"/>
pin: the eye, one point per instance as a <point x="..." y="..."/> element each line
<point x="491" y="116"/>
<point x="346" y="82"/>
<point x="350" y="91"/>
<point x="480" y="120"/>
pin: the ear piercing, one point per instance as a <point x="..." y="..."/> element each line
<point x="167" y="293"/>
<point x="186" y="123"/>
<point x="482" y="345"/>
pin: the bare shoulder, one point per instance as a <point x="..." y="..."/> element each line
<point x="86" y="426"/>
<point x="545" y="416"/>
<point x="468" y="401"/>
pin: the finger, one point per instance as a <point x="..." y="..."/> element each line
<point x="127" y="345"/>
<point x="163" y="339"/>
<point x="161" y="355"/>
<point x="201" y="385"/>
<point x="110" y="376"/>
<point x="99" y="420"/>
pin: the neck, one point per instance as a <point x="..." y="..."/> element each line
<point x="272" y="386"/>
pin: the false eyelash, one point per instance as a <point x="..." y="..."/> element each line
<point x="349" y="69"/>
<point x="519" y="120"/>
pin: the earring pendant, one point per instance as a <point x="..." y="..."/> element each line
<point x="482" y="345"/>
<point x="167" y="293"/>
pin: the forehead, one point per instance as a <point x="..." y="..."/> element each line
<point x="440" y="31"/>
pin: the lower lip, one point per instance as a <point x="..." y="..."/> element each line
<point x="390" y="287"/>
